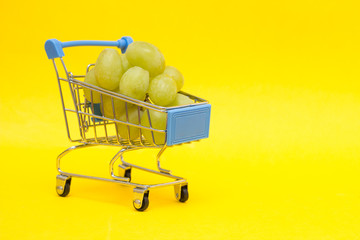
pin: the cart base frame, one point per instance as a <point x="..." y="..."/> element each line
<point x="141" y="191"/>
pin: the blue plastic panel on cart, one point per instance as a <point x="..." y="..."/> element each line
<point x="188" y="124"/>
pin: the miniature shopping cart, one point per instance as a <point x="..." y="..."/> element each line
<point x="93" y="128"/>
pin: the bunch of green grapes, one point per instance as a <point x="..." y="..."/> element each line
<point x="138" y="73"/>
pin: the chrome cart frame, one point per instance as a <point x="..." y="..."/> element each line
<point x="183" y="125"/>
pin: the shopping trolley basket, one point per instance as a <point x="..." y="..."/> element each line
<point x="100" y="124"/>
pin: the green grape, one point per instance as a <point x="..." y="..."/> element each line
<point x="107" y="107"/>
<point x="90" y="78"/>
<point x="135" y="83"/>
<point x="108" y="69"/>
<point x="162" y="90"/>
<point x="158" y="121"/>
<point x="181" y="100"/>
<point x="176" y="75"/>
<point x="146" y="56"/>
<point x="124" y="130"/>
<point x="125" y="63"/>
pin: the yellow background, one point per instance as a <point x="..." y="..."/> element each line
<point x="282" y="160"/>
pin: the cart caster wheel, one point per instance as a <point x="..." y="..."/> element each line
<point x="63" y="185"/>
<point x="141" y="204"/>
<point x="181" y="193"/>
<point x="128" y="174"/>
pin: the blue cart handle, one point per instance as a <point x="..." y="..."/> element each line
<point x="54" y="48"/>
